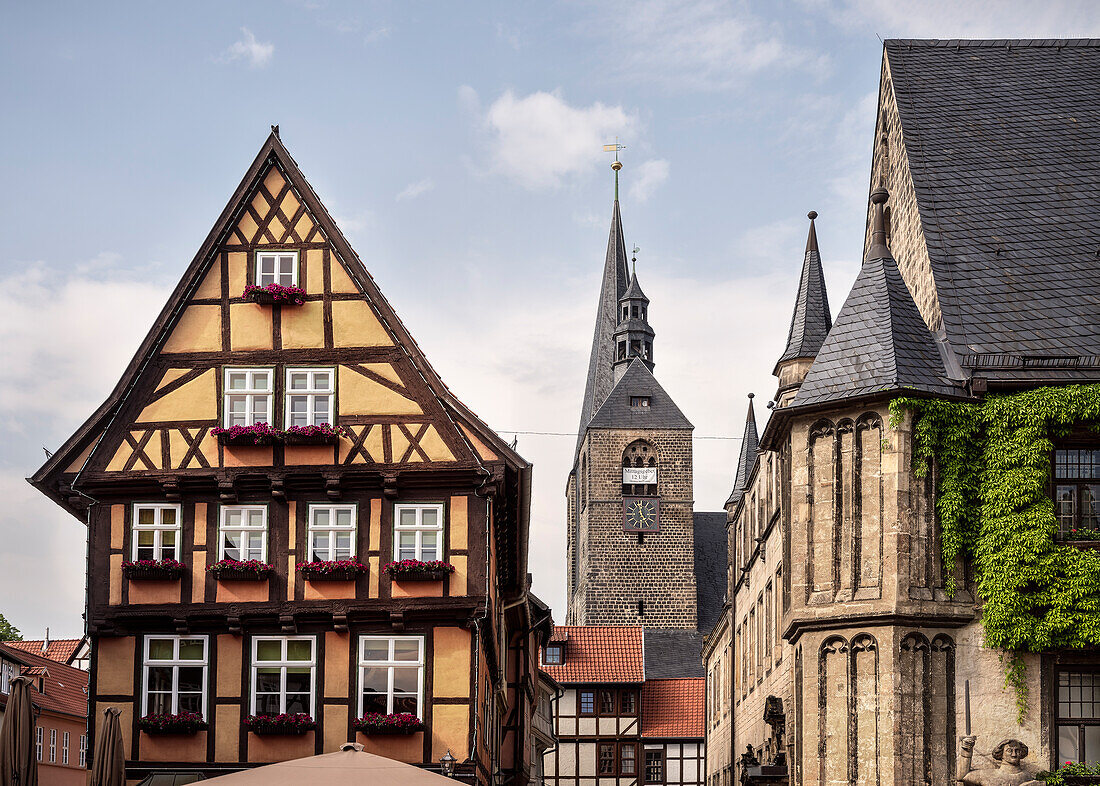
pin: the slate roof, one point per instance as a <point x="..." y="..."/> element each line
<point x="710" y="568"/>
<point x="673" y="709"/>
<point x="811" y="319"/>
<point x="879" y="341"/>
<point x="65" y="686"/>
<point x="599" y="653"/>
<point x="613" y="284"/>
<point x="750" y="444"/>
<point x="673" y="653"/>
<point x="634" y="290"/>
<point x="638" y="380"/>
<point x="1003" y="143"/>
<point x="60" y="650"/>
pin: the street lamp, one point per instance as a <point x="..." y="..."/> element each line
<point x="447" y="764"/>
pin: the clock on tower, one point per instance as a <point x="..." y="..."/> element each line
<point x="641" y="514"/>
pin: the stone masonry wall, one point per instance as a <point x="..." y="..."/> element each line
<point x="616" y="570"/>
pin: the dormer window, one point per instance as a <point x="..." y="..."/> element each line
<point x="553" y="655"/>
<point x="277" y="267"/>
<point x="639" y="401"/>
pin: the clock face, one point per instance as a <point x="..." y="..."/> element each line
<point x="641" y="514"/>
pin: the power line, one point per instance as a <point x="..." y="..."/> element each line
<point x="574" y="435"/>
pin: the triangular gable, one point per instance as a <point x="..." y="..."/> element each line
<point x="274" y="205"/>
<point x="638" y="381"/>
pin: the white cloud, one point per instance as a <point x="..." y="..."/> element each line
<point x="539" y="140"/>
<point x="256" y="54"/>
<point x="413" y="190"/>
<point x="377" y="34"/>
<point x="66" y="338"/>
<point x="697" y="44"/>
<point x="946" y="19"/>
<point x="647" y="178"/>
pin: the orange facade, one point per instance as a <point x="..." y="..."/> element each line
<point x="354" y="455"/>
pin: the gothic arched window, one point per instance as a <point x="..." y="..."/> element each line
<point x="640" y="454"/>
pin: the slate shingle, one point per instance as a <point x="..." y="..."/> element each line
<point x="638" y="380"/>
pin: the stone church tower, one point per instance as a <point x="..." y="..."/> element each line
<point x="631" y="525"/>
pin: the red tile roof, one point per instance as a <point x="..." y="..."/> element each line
<point x="599" y="654"/>
<point x="60" y="650"/>
<point x="674" y="708"/>
<point x="65" y="687"/>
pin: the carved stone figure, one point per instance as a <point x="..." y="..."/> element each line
<point x="1009" y="771"/>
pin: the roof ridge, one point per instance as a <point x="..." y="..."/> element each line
<point x="993" y="42"/>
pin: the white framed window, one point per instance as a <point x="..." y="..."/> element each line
<point x="65" y="748"/>
<point x="247" y="395"/>
<point x="156" y="531"/>
<point x="242" y="532"/>
<point x="83" y="750"/>
<point x="277" y="267"/>
<point x="284" y="671"/>
<point x="418" y="532"/>
<point x="391" y="674"/>
<point x="53" y="746"/>
<point x="309" y="396"/>
<point x="175" y="673"/>
<point x="38" y="743"/>
<point x="8" y="672"/>
<point x="331" y="532"/>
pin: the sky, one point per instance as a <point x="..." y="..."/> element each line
<point x="459" y="147"/>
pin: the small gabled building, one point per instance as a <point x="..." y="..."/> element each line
<point x="289" y="513"/>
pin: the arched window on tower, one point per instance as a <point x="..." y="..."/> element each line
<point x="582" y="481"/>
<point x="641" y="456"/>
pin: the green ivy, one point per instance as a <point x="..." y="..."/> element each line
<point x="992" y="461"/>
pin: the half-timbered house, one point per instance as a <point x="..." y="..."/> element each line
<point x="297" y="534"/>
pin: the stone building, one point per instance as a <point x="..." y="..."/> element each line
<point x="857" y="655"/>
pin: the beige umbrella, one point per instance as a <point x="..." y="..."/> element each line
<point x="18" y="765"/>
<point x="351" y="766"/>
<point x="109" y="763"/>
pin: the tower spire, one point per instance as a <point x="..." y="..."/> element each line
<point x="616" y="164"/>
<point x="750" y="443"/>
<point x="810" y="321"/>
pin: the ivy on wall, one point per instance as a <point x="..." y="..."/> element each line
<point x="993" y="463"/>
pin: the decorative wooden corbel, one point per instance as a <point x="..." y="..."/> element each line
<point x="287" y="623"/>
<point x="180" y="624"/>
<point x="234" y="625"/>
<point x="278" y="489"/>
<point x="332" y="487"/>
<point x="340" y="622"/>
<point x="171" y="488"/>
<point x="397" y="620"/>
<point x="389" y="485"/>
<point x="492" y="485"/>
<point x="227" y="492"/>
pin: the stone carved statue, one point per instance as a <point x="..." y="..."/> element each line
<point x="1009" y="771"/>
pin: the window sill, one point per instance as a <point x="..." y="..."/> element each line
<point x="274" y="295"/>
<point x="246" y="440"/>
<point x="273" y="730"/>
<point x="436" y="574"/>
<point x="336" y="574"/>
<point x="291" y="438"/>
<point x="152" y="574"/>
<point x="229" y="574"/>
<point x="181" y="732"/>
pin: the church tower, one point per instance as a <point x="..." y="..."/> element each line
<point x="631" y="527"/>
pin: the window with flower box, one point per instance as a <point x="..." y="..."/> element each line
<point x="242" y="533"/>
<point x="174" y="675"/>
<point x="309" y="396"/>
<point x="1077" y="492"/>
<point x="284" y="672"/>
<point x="332" y="532"/>
<point x="391" y="675"/>
<point x="247" y="396"/>
<point x="418" y="532"/>
<point x="156" y="531"/>
<point x="277" y="267"/>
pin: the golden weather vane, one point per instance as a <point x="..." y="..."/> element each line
<point x="616" y="164"/>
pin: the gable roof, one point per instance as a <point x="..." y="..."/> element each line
<point x="673" y="708"/>
<point x="638" y="380"/>
<point x="673" y="653"/>
<point x="599" y="653"/>
<point x="879" y="342"/>
<point x="613" y="284"/>
<point x="60" y="650"/>
<point x="468" y="427"/>
<point x="65" y="686"/>
<point x="711" y="553"/>
<point x="1003" y="143"/>
<point x="746" y="460"/>
<point x="811" y="319"/>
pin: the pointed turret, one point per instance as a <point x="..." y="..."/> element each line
<point x="633" y="336"/>
<point x="750" y="444"/>
<point x="810" y="322"/>
<point x="613" y="286"/>
<point x="880" y="342"/>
